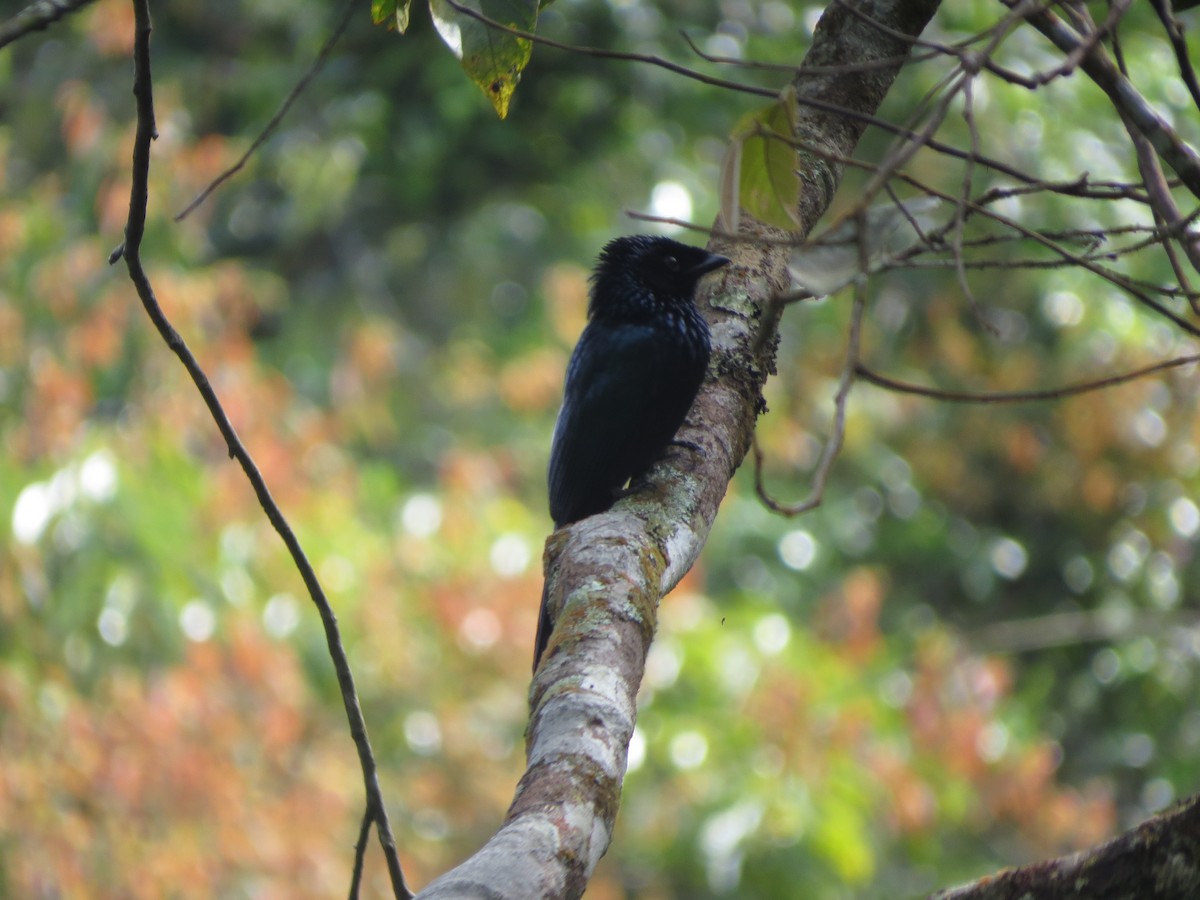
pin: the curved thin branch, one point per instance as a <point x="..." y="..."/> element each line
<point x="1124" y="97"/>
<point x="1073" y="390"/>
<point x="38" y="17"/>
<point x="269" y="128"/>
<point x="833" y="445"/>
<point x="360" y="851"/>
<point x="1179" y="44"/>
<point x="618" y="55"/>
<point x="131" y="250"/>
<point x="821" y="105"/>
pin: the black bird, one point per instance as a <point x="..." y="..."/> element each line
<point x="631" y="380"/>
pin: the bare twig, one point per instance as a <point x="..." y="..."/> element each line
<point x="269" y="129"/>
<point x="1142" y="293"/>
<point x="37" y="17"/>
<point x="1179" y="44"/>
<point x="958" y="226"/>
<point x="360" y="852"/>
<point x="816" y="103"/>
<point x="833" y="446"/>
<point x="891" y="62"/>
<point x="903" y="387"/>
<point x="134" y="230"/>
<point x="1124" y="97"/>
<point x="621" y="56"/>
<point x="1069" y="629"/>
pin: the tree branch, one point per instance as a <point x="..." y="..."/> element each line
<point x="38" y="17"/>
<point x="1158" y="860"/>
<point x="131" y="249"/>
<point x="607" y="573"/>
<point x="1071" y="390"/>
<point x="1124" y="97"/>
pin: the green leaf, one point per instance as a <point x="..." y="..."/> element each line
<point x="494" y="59"/>
<point x="768" y="185"/>
<point x="392" y="13"/>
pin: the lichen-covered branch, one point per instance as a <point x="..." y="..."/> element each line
<point x="1158" y="860"/>
<point x="607" y="573"/>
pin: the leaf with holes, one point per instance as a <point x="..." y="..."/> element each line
<point x="493" y="58"/>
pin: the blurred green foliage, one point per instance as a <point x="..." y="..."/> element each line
<point x="980" y="650"/>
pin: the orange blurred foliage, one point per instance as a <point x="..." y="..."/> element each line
<point x="194" y="781"/>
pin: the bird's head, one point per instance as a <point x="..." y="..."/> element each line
<point x="649" y="269"/>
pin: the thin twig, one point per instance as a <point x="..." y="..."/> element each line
<point x="1073" y="390"/>
<point x="292" y="97"/>
<point x="131" y="249"/>
<point x="811" y="102"/>
<point x="360" y="851"/>
<point x="833" y="446"/>
<point x="37" y="17"/>
<point x="1071" y="629"/>
<point x="1175" y="33"/>
<point x="1124" y="97"/>
<point x="618" y="55"/>
<point x="857" y="66"/>
<point x="958" y="229"/>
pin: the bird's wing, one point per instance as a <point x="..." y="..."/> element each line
<point x="616" y="415"/>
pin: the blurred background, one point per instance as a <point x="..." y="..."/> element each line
<point x="980" y="651"/>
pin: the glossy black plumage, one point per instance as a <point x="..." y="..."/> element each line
<point x="632" y="378"/>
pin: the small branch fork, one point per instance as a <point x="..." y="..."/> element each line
<point x="375" y="812"/>
<point x="1083" y="44"/>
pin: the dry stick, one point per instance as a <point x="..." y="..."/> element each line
<point x="1155" y="236"/>
<point x="971" y="60"/>
<point x="906" y="262"/>
<point x="1070" y="629"/>
<point x="1130" y="286"/>
<point x="617" y="55"/>
<point x="882" y="63"/>
<point x="134" y="230"/>
<point x="1082" y="21"/>
<point x="360" y="853"/>
<point x="811" y="102"/>
<point x="1081" y="186"/>
<point x="1124" y="97"/>
<point x="903" y="387"/>
<point x="1166" y="214"/>
<point x="1075" y="188"/>
<point x="1115" y="278"/>
<point x="318" y="64"/>
<point x="960" y="214"/>
<point x="833" y="446"/>
<point x="957" y="81"/>
<point x="1162" y="204"/>
<point x="1175" y="33"/>
<point x="37" y="17"/>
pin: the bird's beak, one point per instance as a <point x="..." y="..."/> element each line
<point x="709" y="263"/>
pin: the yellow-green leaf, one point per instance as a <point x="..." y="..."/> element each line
<point x="768" y="183"/>
<point x="493" y="58"/>
<point x="392" y="13"/>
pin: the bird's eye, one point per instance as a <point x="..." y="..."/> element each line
<point x="671" y="263"/>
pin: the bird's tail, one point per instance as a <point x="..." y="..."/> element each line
<point x="545" y="626"/>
